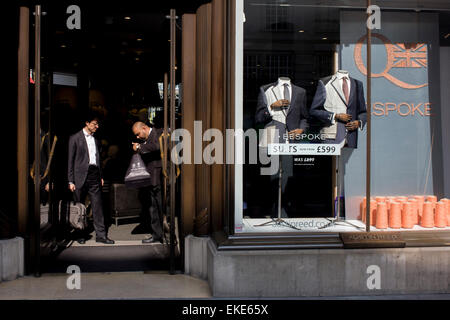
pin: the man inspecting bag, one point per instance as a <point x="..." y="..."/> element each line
<point x="150" y="196"/>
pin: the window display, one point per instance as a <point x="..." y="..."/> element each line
<point x="302" y="81"/>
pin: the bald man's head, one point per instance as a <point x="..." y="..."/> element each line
<point x="140" y="130"/>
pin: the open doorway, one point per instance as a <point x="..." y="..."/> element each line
<point x="111" y="65"/>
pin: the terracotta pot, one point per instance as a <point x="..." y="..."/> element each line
<point x="395" y="215"/>
<point x="415" y="210"/>
<point x="373" y="212"/>
<point x="440" y="216"/>
<point x="447" y="203"/>
<point x="432" y="199"/>
<point x="382" y="216"/>
<point x="428" y="215"/>
<point x="408" y="215"/>
<point x="420" y="201"/>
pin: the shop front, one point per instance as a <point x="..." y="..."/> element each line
<point x="106" y="66"/>
<point x="338" y="119"/>
<point x="311" y="138"/>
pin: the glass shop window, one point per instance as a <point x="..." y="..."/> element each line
<point x="301" y="94"/>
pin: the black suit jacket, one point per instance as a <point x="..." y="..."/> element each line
<point x="296" y="115"/>
<point x="356" y="106"/>
<point x="151" y="154"/>
<point x="78" y="164"/>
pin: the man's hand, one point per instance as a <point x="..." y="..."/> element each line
<point x="72" y="187"/>
<point x="295" y="133"/>
<point x="135" y="146"/>
<point x="343" y="117"/>
<point x="279" y="103"/>
<point x="353" y="125"/>
<point x="47" y="187"/>
<point x="103" y="182"/>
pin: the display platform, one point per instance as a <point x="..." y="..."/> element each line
<point x="315" y="224"/>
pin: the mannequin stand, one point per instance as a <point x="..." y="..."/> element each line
<point x="278" y="221"/>
<point x="337" y="220"/>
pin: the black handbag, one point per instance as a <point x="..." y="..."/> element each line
<point x="137" y="175"/>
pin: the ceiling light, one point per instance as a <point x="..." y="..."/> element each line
<point x="324" y="38"/>
<point x="63" y="46"/>
<point x="139" y="39"/>
<point x="127" y="18"/>
<point x="301" y="31"/>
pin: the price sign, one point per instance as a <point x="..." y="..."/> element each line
<point x="316" y="149"/>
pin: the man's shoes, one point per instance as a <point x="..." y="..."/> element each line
<point x="152" y="240"/>
<point x="104" y="240"/>
<point x="81" y="241"/>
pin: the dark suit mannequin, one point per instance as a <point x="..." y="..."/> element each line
<point x="84" y="175"/>
<point x="284" y="109"/>
<point x="356" y="108"/>
<point x="150" y="196"/>
<point x="341" y="119"/>
<point x="296" y="113"/>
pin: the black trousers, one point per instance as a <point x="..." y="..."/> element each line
<point x="92" y="186"/>
<point x="151" y="214"/>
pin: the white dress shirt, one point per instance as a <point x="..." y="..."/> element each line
<point x="90" y="140"/>
<point x="276" y="93"/>
<point x="339" y="76"/>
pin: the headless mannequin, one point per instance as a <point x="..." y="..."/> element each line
<point x="282" y="104"/>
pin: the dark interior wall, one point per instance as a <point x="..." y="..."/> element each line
<point x="91" y="10"/>
<point x="8" y="202"/>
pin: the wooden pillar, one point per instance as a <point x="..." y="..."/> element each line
<point x="188" y="75"/>
<point x="218" y="109"/>
<point x="22" y="121"/>
<point x="230" y="105"/>
<point x="203" y="104"/>
<point x="204" y="77"/>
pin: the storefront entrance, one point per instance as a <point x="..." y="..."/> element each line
<point x="113" y="62"/>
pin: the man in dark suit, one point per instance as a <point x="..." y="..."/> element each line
<point x="150" y="196"/>
<point x="85" y="175"/>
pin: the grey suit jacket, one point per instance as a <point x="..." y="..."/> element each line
<point x="78" y="165"/>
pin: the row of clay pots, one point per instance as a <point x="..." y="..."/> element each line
<point x="403" y="212"/>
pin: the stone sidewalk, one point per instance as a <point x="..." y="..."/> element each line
<point x="117" y="285"/>
<point x="140" y="285"/>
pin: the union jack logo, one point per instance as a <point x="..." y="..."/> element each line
<point x="410" y="55"/>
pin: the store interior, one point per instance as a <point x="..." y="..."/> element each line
<point x="113" y="67"/>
